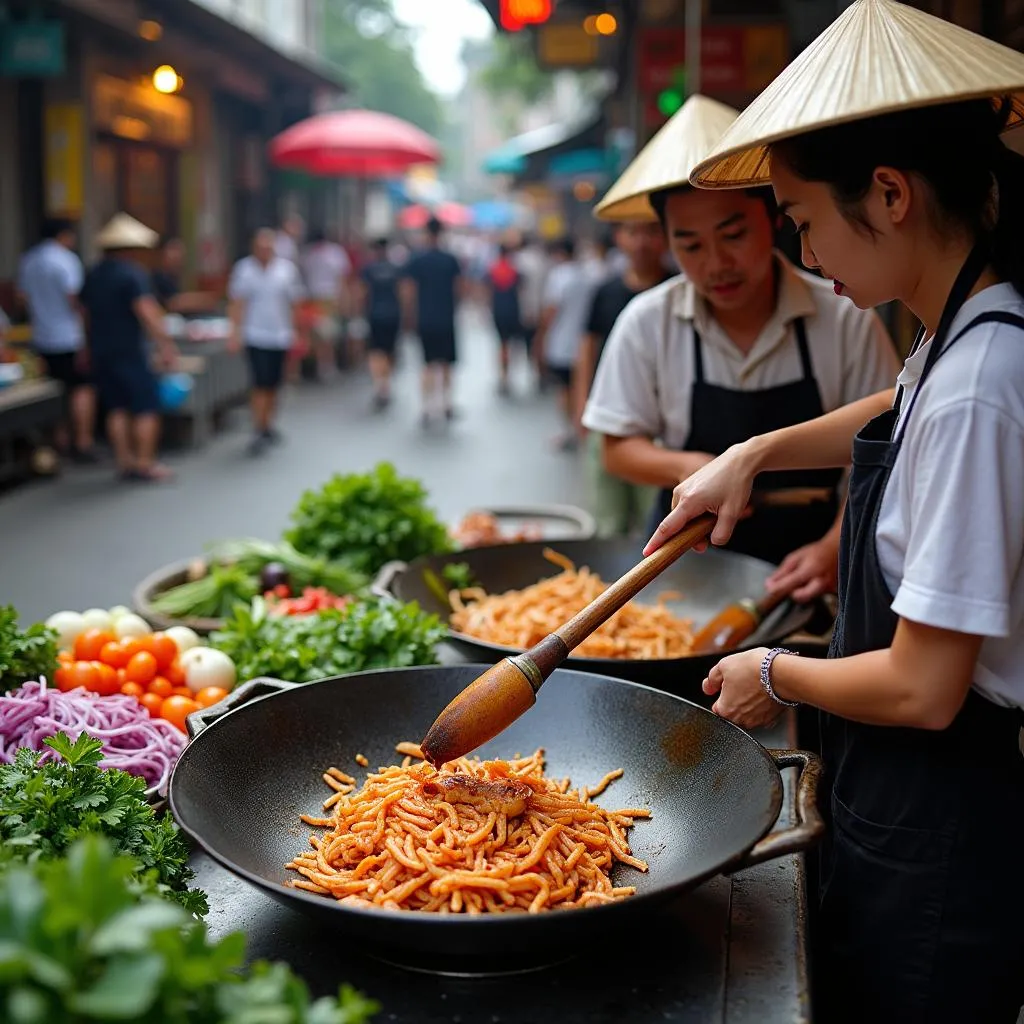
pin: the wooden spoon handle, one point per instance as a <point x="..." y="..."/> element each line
<point x="581" y="625"/>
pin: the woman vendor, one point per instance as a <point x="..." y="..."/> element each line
<point x="900" y="187"/>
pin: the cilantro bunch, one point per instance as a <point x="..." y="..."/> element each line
<point x="365" y="520"/>
<point x="24" y="653"/>
<point x="371" y="633"/>
<point x="45" y="806"/>
<point x="82" y="939"/>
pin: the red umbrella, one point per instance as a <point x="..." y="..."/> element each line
<point x="353" y="143"/>
<point x="451" y="215"/>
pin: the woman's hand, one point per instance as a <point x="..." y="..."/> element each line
<point x="741" y="697"/>
<point x="722" y="487"/>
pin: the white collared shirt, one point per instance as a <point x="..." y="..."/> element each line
<point x="950" y="533"/>
<point x="50" y="276"/>
<point x="268" y="293"/>
<point x="645" y="376"/>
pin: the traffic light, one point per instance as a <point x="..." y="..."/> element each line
<point x="517" y="14"/>
<point x="673" y="97"/>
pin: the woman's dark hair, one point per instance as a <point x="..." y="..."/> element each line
<point x="954" y="147"/>
<point x="659" y="200"/>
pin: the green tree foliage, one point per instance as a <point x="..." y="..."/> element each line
<point x="372" y="49"/>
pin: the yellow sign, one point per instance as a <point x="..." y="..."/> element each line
<point x="64" y="160"/>
<point x="566" y="45"/>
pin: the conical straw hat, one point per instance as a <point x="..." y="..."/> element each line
<point x="877" y="57"/>
<point x="124" y="232"/>
<point x="667" y="160"/>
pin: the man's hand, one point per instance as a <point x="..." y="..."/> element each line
<point x="808" y="572"/>
<point x="168" y="357"/>
<point x="234" y="341"/>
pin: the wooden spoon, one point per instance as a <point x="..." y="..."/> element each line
<point x="494" y="700"/>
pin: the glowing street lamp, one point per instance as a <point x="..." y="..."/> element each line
<point x="167" y="80"/>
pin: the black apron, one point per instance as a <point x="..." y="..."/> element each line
<point x="921" y="916"/>
<point x="721" y="417"/>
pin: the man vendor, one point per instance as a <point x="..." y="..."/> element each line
<point x="740" y="344"/>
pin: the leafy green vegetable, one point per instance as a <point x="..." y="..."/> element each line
<point x="304" y="570"/>
<point x="374" y="632"/>
<point x="212" y="596"/>
<point x="24" y="654"/>
<point x="368" y="519"/>
<point x="82" y="941"/>
<point x="46" y="805"/>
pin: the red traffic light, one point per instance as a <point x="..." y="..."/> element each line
<point x="517" y="14"/>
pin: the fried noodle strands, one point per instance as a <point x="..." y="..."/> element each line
<point x="522" y="618"/>
<point x="471" y="837"/>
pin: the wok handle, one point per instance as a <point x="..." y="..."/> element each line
<point x="204" y="717"/>
<point x="385" y="578"/>
<point x="808" y="827"/>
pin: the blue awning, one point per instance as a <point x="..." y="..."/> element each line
<point x="512" y="157"/>
<point x="579" y="161"/>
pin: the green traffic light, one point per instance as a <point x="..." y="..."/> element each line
<point x="670" y="101"/>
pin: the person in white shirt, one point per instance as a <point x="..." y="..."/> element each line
<point x="568" y="291"/>
<point x="50" y="277"/>
<point x="533" y="265"/>
<point x="325" y="270"/>
<point x="288" y="238"/>
<point x="905" y="193"/>
<point x="742" y="341"/>
<point x="263" y="292"/>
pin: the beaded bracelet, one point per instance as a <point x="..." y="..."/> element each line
<point x="766" y="677"/>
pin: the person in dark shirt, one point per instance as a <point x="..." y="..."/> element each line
<point x="432" y="285"/>
<point x="621" y="508"/>
<point x="166" y="282"/>
<point x="505" y="281"/>
<point x="378" y="304"/>
<point x="120" y="308"/>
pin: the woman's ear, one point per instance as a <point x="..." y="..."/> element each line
<point x="893" y="193"/>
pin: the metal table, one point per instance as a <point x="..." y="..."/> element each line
<point x="732" y="951"/>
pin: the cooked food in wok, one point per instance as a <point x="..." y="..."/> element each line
<point x="522" y="618"/>
<point x="472" y="837"/>
<point x="480" y="528"/>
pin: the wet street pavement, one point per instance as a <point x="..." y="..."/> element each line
<point x="85" y="539"/>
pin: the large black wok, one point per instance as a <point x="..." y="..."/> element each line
<point x="714" y="793"/>
<point x="706" y="583"/>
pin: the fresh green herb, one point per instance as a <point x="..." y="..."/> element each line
<point x="374" y="632"/>
<point x="459" y="575"/>
<point x="81" y="941"/>
<point x="24" y="653"/>
<point x="303" y="570"/>
<point x="212" y="596"/>
<point x="368" y="519"/>
<point x="46" y="805"/>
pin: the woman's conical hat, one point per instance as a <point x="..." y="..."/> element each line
<point x="125" y="232"/>
<point x="667" y="160"/>
<point x="877" y="57"/>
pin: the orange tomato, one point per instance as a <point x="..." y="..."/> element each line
<point x="89" y="644"/>
<point x="64" y="678"/>
<point x="210" y="695"/>
<point x="145" y="643"/>
<point x="107" y="683"/>
<point x="176" y="709"/>
<point x="132" y="690"/>
<point x="152" y="702"/>
<point x="182" y="691"/>
<point x="65" y="658"/>
<point x="165" y="650"/>
<point x="141" y="668"/>
<point x="175" y="673"/>
<point x="114" y="654"/>
<point x="83" y="673"/>
<point x="133" y="645"/>
<point x="161" y="687"/>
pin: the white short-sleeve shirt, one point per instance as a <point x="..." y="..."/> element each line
<point x="570" y="288"/>
<point x="646" y="373"/>
<point x="950" y="533"/>
<point x="268" y="293"/>
<point x="323" y="266"/>
<point x="50" y="276"/>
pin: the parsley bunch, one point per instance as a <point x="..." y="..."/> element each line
<point x="82" y="940"/>
<point x="45" y="806"/>
<point x="24" y="653"/>
<point x="371" y="633"/>
<point x="365" y="520"/>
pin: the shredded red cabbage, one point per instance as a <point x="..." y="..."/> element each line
<point x="132" y="740"/>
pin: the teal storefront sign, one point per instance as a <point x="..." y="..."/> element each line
<point x="31" y="49"/>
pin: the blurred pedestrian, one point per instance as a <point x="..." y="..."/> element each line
<point x="533" y="265"/>
<point x="288" y="238"/>
<point x="505" y="284"/>
<point x="378" y="305"/>
<point x="167" y="282"/>
<point x="432" y="284"/>
<point x="121" y="311"/>
<point x="264" y="293"/>
<point x="620" y="507"/>
<point x="50" y="277"/>
<point x="325" y="270"/>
